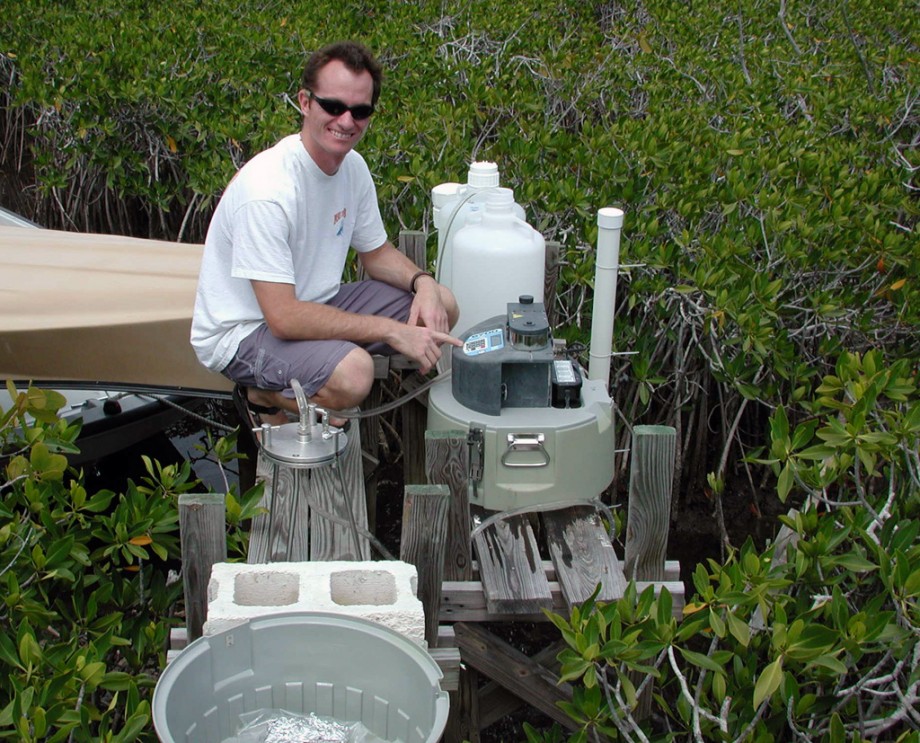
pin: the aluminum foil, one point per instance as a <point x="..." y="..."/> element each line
<point x="280" y="726"/>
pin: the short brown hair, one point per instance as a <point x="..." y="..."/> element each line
<point x="356" y="57"/>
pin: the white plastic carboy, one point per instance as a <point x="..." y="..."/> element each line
<point x="496" y="258"/>
<point x="487" y="253"/>
<point x="451" y="205"/>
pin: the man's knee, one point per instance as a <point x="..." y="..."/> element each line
<point x="351" y="381"/>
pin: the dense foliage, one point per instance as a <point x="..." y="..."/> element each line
<point x="87" y="605"/>
<point x="764" y="151"/>
<point x="816" y="638"/>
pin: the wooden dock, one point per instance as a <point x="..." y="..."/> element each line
<point x="509" y="569"/>
<point x="513" y="569"/>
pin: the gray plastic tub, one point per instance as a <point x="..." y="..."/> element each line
<point x="338" y="666"/>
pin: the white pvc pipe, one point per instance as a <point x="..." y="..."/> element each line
<point x="607" y="265"/>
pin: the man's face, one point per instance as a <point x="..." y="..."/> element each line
<point x="329" y="138"/>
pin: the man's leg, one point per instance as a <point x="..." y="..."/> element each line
<point x="336" y="375"/>
<point x="347" y="386"/>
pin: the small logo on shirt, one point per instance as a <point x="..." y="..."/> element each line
<point x="338" y="217"/>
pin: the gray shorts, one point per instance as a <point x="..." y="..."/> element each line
<point x="266" y="362"/>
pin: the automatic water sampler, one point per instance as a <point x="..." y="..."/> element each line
<point x="539" y="427"/>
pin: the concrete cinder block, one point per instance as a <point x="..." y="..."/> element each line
<point x="384" y="592"/>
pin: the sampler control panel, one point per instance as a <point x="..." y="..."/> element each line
<point x="483" y="342"/>
<point x="508" y="362"/>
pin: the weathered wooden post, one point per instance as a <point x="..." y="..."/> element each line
<point x="424" y="533"/>
<point x="650" y="481"/>
<point x="651" y="476"/>
<point x="203" y="542"/>
<point x="446" y="463"/>
<point x="414" y="413"/>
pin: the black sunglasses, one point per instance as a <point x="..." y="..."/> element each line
<point x="335" y="107"/>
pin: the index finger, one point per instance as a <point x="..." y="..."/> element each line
<point x="447" y="338"/>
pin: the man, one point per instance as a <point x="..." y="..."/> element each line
<point x="270" y="306"/>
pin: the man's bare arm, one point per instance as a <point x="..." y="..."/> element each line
<point x="291" y="319"/>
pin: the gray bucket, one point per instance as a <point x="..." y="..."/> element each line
<point x="338" y="666"/>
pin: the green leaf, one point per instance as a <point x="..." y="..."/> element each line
<point x="703" y="661"/>
<point x="49" y="466"/>
<point x="831" y="663"/>
<point x="137" y="723"/>
<point x="574" y="670"/>
<point x="30" y="653"/>
<point x="853" y="562"/>
<point x="629" y="690"/>
<point x="665" y="607"/>
<point x="768" y="682"/>
<point x="93" y="673"/>
<point x="739" y="629"/>
<point x="117" y="681"/>
<point x="8" y="652"/>
<point x="785" y="482"/>
<point x="912" y="584"/>
<point x="6" y="715"/>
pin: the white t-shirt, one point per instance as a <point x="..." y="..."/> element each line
<point x="280" y="219"/>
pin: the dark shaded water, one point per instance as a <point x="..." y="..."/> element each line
<point x="185" y="440"/>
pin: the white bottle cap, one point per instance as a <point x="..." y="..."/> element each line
<point x="442" y="193"/>
<point x="483" y="175"/>
<point x="500" y="200"/>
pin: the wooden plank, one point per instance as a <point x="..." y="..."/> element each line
<point x="270" y="539"/>
<point x="582" y="555"/>
<point x="413" y="415"/>
<point x="203" y="542"/>
<point x="446" y="637"/>
<point x="370" y="440"/>
<point x="446" y="457"/>
<point x="496" y="702"/>
<point x="448" y="660"/>
<point x="515" y="671"/>
<point x="650" y="483"/>
<point x="422" y="542"/>
<point x="465" y="601"/>
<point x="412" y="243"/>
<point x="178" y="638"/>
<point x="671" y="570"/>
<point x="511" y="568"/>
<point x="335" y="540"/>
<point x="399" y="362"/>
<point x="414" y="418"/>
<point x="463" y="713"/>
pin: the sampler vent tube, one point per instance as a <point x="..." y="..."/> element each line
<point x="607" y="265"/>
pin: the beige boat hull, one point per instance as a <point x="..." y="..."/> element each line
<point x="99" y="309"/>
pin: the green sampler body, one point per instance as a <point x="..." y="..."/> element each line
<point x="538" y="431"/>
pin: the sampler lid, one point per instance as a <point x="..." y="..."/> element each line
<point x="528" y="326"/>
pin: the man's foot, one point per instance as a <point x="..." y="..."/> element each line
<point x="254" y="413"/>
